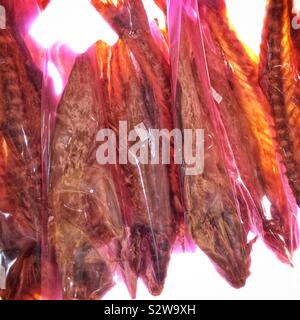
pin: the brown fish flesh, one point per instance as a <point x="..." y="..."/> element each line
<point x="20" y="179"/>
<point x="20" y="129"/>
<point x="83" y="201"/>
<point x="242" y="72"/>
<point x="131" y="23"/>
<point x="149" y="213"/>
<point x="213" y="217"/>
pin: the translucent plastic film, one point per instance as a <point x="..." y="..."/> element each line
<point x="244" y="84"/>
<point x="136" y="79"/>
<point x="20" y="164"/>
<point x="244" y="175"/>
<point x="134" y="129"/>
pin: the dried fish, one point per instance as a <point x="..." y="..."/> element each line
<point x="279" y="224"/>
<point x="213" y="216"/>
<point x="20" y="179"/>
<point x="83" y="199"/>
<point x="149" y="213"/>
<point x="279" y="81"/>
<point x="131" y="23"/>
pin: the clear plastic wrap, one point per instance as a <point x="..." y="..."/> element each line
<point x="74" y="216"/>
<point x="136" y="77"/>
<point x="240" y="116"/>
<point x="247" y="117"/>
<point x="85" y="218"/>
<point x="20" y="174"/>
<point x="215" y="200"/>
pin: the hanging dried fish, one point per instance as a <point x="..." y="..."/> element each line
<point x="279" y="81"/>
<point x="83" y="199"/>
<point x="213" y="215"/>
<point x="149" y="212"/>
<point x="20" y="179"/>
<point x="242" y="72"/>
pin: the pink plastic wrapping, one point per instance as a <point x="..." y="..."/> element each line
<point x="196" y="33"/>
<point x="215" y="201"/>
<point x="279" y="226"/>
<point x="124" y="213"/>
<point x="136" y="77"/>
<point x="84" y="218"/>
<point x="74" y="218"/>
<point x="280" y="230"/>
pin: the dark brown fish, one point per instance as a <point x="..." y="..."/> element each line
<point x="83" y="200"/>
<point x="20" y="179"/>
<point x="24" y="278"/>
<point x="213" y="214"/>
<point x="131" y="23"/>
<point x="149" y="213"/>
<point x="242" y="72"/>
<point x="280" y="83"/>
<point x="20" y="128"/>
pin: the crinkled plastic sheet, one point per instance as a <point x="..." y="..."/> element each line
<point x="222" y="91"/>
<point x="139" y="231"/>
<point x="271" y="189"/>
<point x="91" y="221"/>
<point x="20" y="173"/>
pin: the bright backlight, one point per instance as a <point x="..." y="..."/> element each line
<point x="75" y="23"/>
<point x="247" y="18"/>
<point x="56" y="77"/>
<point x="155" y="14"/>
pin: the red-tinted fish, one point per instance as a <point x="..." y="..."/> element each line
<point x="130" y="21"/>
<point x="149" y="213"/>
<point x="242" y="72"/>
<point x="213" y="214"/>
<point x="280" y="83"/>
<point x="20" y="179"/>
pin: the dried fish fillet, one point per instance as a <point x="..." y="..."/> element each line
<point x="279" y="81"/>
<point x="20" y="128"/>
<point x="242" y="72"/>
<point x="20" y="177"/>
<point x="83" y="198"/>
<point x="131" y="23"/>
<point x="214" y="220"/>
<point x="149" y="213"/>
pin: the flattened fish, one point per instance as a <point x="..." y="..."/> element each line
<point x="83" y="200"/>
<point x="213" y="215"/>
<point x="242" y="72"/>
<point x="149" y="213"/>
<point x="131" y="23"/>
<point x="280" y="83"/>
<point x="20" y="177"/>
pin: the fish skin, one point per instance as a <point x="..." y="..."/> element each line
<point x="83" y="200"/>
<point x="295" y="33"/>
<point x="149" y="212"/>
<point x="20" y="177"/>
<point x="131" y="23"/>
<point x="213" y="217"/>
<point x="23" y="281"/>
<point x="243" y="75"/>
<point x="279" y="81"/>
<point x="20" y="128"/>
